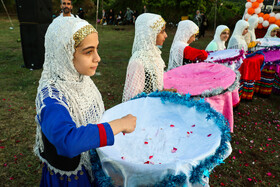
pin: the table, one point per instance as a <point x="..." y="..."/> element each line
<point x="216" y="83"/>
<point x="250" y="71"/>
<point x="269" y="80"/>
<point x="175" y="136"/>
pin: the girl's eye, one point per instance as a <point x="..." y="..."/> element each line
<point x="89" y="52"/>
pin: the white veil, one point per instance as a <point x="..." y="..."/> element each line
<point x="184" y="31"/>
<point x="61" y="81"/>
<point x="145" y="68"/>
<point x="217" y="39"/>
<point x="253" y="23"/>
<point x="237" y="40"/>
<point x="271" y="28"/>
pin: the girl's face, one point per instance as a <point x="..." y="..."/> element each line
<point x="192" y="38"/>
<point x="225" y="35"/>
<point x="273" y="32"/>
<point x="161" y="37"/>
<point x="245" y="31"/>
<point x="86" y="57"/>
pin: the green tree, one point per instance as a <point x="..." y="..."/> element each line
<point x="172" y="10"/>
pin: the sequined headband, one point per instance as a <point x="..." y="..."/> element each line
<point x="158" y="24"/>
<point x="82" y="33"/>
<point x="276" y="28"/>
<point x="226" y="29"/>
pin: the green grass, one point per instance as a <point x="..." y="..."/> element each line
<point x="255" y="140"/>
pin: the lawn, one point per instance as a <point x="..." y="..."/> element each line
<point x="255" y="141"/>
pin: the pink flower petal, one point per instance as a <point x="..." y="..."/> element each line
<point x="122" y="157"/>
<point x="150" y="157"/>
<point x="172" y="125"/>
<point x="249" y="179"/>
<point x="268" y="174"/>
<point x="173" y="150"/>
<point x="146" y="142"/>
<point x="193" y="125"/>
<point x="209" y="135"/>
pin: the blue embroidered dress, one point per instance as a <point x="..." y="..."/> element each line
<point x="69" y="141"/>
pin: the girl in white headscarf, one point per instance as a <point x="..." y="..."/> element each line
<point x="180" y="49"/>
<point x="220" y="38"/>
<point x="237" y="40"/>
<point x="145" y="68"/>
<point x="69" y="106"/>
<point x="272" y="31"/>
<point x="253" y="23"/>
<point x="250" y="37"/>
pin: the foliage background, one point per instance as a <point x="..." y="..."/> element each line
<point x="228" y="11"/>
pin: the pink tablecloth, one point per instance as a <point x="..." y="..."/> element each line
<point x="195" y="79"/>
<point x="224" y="103"/>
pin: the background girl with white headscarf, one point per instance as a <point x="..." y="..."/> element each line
<point x="145" y="68"/>
<point x="220" y="38"/>
<point x="180" y="49"/>
<point x="250" y="37"/>
<point x="69" y="106"/>
<point x="237" y="40"/>
<point x="272" y="31"/>
<point x="253" y="23"/>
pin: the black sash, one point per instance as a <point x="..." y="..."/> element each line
<point x="58" y="161"/>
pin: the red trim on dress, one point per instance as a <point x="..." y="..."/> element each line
<point x="102" y="135"/>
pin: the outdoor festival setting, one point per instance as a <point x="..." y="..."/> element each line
<point x="140" y="93"/>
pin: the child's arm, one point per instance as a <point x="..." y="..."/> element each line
<point x="126" y="124"/>
<point x="193" y="54"/>
<point x="70" y="141"/>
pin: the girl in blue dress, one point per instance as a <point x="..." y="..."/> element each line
<point x="69" y="105"/>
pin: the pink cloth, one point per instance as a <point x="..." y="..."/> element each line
<point x="224" y="103"/>
<point x="278" y="69"/>
<point x="272" y="55"/>
<point x="197" y="78"/>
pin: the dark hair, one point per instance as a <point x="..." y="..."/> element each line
<point x="61" y="1"/>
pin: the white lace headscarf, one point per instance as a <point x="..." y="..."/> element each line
<point x="61" y="81"/>
<point x="253" y="23"/>
<point x="271" y="28"/>
<point x="184" y="32"/>
<point x="237" y="40"/>
<point x="146" y="61"/>
<point x="217" y="38"/>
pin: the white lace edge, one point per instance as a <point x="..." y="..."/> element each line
<point x="84" y="160"/>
